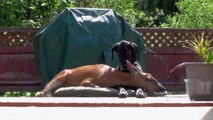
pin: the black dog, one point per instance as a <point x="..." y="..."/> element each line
<point x="127" y="51"/>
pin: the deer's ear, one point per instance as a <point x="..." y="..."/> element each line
<point x="131" y="67"/>
<point x="138" y="67"/>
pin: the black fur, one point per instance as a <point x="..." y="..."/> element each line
<point x="127" y="51"/>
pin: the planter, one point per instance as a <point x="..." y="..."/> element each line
<point x="199" y="80"/>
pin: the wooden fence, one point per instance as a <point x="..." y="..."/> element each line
<point x="18" y="70"/>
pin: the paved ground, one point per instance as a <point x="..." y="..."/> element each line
<point x="106" y="113"/>
<point x="173" y="107"/>
<point x="165" y="101"/>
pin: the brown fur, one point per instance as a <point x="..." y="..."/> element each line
<point x="103" y="76"/>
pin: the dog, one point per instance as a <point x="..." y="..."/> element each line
<point x="127" y="51"/>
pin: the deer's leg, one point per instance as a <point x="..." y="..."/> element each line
<point x="87" y="83"/>
<point x="54" y="84"/>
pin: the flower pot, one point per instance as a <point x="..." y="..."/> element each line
<point x="199" y="80"/>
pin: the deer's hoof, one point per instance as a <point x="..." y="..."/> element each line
<point x="39" y="94"/>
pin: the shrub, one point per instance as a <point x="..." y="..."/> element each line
<point x="192" y="14"/>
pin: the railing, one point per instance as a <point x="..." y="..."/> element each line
<point x="18" y="68"/>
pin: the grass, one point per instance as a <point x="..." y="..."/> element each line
<point x="17" y="94"/>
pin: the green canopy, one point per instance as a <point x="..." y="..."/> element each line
<point x="81" y="36"/>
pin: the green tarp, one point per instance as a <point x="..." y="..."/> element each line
<point x="81" y="36"/>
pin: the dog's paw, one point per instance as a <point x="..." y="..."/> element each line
<point x="140" y="93"/>
<point x="122" y="93"/>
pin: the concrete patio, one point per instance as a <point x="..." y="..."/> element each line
<point x="169" y="107"/>
<point x="165" y="101"/>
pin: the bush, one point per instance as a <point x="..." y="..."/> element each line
<point x="192" y="14"/>
<point x="37" y="13"/>
<point x="29" y="13"/>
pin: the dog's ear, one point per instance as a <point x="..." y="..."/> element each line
<point x="114" y="48"/>
<point x="135" y="50"/>
<point x="135" y="47"/>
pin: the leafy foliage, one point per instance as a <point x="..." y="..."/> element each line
<point x="29" y="13"/>
<point x="139" y="13"/>
<point x="19" y="94"/>
<point x="155" y="11"/>
<point x="192" y="14"/>
<point x="37" y="13"/>
<point x="201" y="46"/>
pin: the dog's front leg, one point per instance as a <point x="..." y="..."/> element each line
<point x="140" y="93"/>
<point x="122" y="92"/>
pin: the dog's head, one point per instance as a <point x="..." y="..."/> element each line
<point x="126" y="51"/>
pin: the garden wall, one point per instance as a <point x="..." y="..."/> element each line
<point x="18" y="70"/>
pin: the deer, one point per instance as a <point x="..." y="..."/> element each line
<point x="102" y="75"/>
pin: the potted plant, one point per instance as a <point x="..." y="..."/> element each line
<point x="199" y="75"/>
